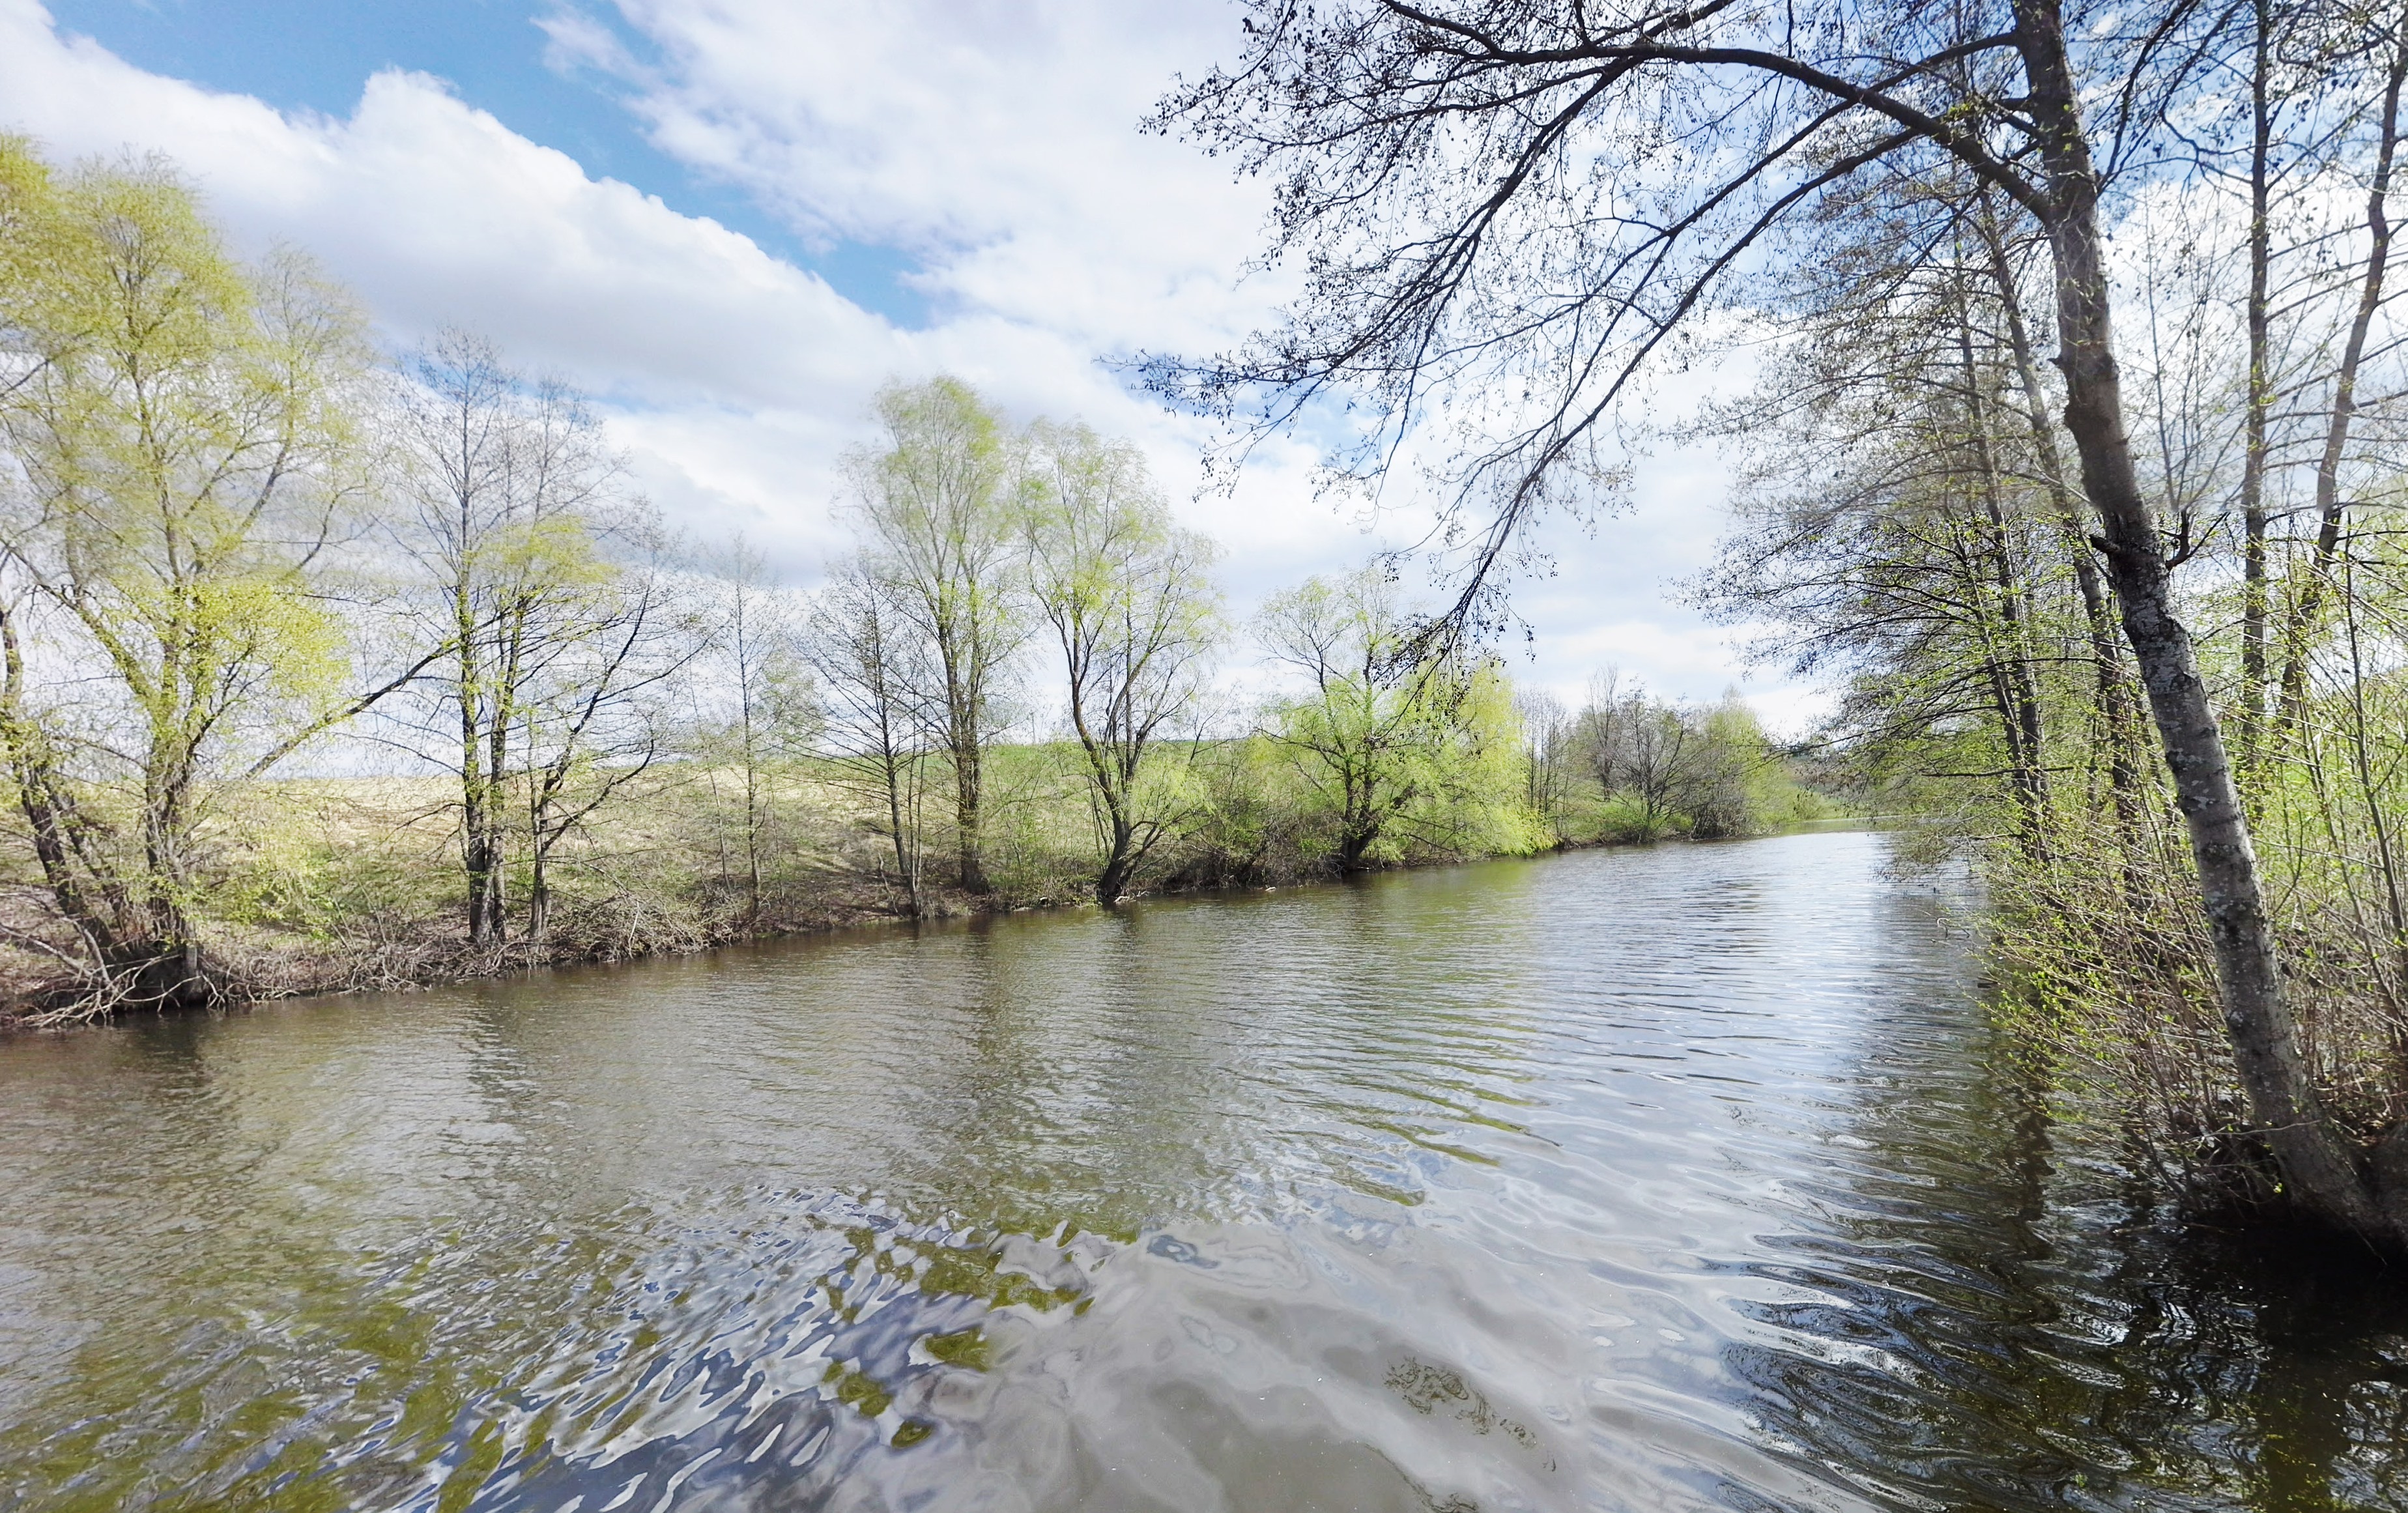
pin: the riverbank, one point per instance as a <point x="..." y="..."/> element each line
<point x="354" y="885"/>
<point x="252" y="970"/>
<point x="350" y="885"/>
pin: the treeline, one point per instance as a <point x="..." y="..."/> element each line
<point x="1917" y="524"/>
<point x="326" y="670"/>
<point x="1627" y="768"/>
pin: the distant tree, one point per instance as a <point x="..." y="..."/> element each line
<point x="592" y="698"/>
<point x="879" y="728"/>
<point x="772" y="709"/>
<point x="2387" y="51"/>
<point x="1678" y="770"/>
<point x="509" y="491"/>
<point x="541" y="581"/>
<point x="1547" y="732"/>
<point x="937" y="507"/>
<point x="1135" y="616"/>
<point x="1742" y="769"/>
<point x="1647" y="751"/>
<point x="1386" y="728"/>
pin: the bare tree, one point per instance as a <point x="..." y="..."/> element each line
<point x="1547" y="730"/>
<point x="773" y="712"/>
<point x="591" y="701"/>
<point x="1673" y="766"/>
<point x="880" y="730"/>
<point x="510" y="492"/>
<point x="2390" y="49"/>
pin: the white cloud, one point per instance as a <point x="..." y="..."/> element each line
<point x="993" y="142"/>
<point x="438" y="213"/>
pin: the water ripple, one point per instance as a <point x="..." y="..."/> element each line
<point x="1689" y="1178"/>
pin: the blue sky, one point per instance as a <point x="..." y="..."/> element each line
<point x="732" y="220"/>
<point x="299" y="55"/>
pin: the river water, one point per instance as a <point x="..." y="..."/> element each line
<point x="1668" y="1179"/>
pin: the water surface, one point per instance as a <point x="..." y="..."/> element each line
<point x="1670" y="1179"/>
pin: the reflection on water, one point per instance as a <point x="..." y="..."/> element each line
<point x="1684" y="1178"/>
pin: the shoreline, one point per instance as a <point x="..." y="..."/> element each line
<point x="428" y="962"/>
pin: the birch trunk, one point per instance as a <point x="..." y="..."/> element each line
<point x="2320" y="1173"/>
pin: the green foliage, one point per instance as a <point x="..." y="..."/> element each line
<point x="940" y="522"/>
<point x="1135" y="616"/>
<point x="1404" y="752"/>
<point x="608" y="752"/>
<point x="1632" y="769"/>
<point x="184" y="441"/>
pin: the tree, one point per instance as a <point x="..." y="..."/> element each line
<point x="1127" y="595"/>
<point x="184" y="454"/>
<point x="1647" y="752"/>
<point x="1668" y="769"/>
<point x="881" y="732"/>
<point x="775" y="711"/>
<point x="1547" y="730"/>
<point x="509" y="493"/>
<point x="1387" y="729"/>
<point x="2388" y="49"/>
<point x="935" y="504"/>
<point x="592" y="673"/>
<point x="1902" y="525"/>
<point x="1500" y="199"/>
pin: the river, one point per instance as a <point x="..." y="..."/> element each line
<point x="1690" y="1177"/>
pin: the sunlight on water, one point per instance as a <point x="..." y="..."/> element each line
<point x="1686" y="1179"/>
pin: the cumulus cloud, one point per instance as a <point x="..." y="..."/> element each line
<point x="437" y="214"/>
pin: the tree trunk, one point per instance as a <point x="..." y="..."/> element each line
<point x="752" y="834"/>
<point x="164" y="961"/>
<point x="143" y="951"/>
<point x="2019" y="711"/>
<point x="476" y="862"/>
<point x="503" y="709"/>
<point x="538" y="931"/>
<point x="2111" y="695"/>
<point x="1118" y="867"/>
<point x="1120" y="830"/>
<point x="2320" y="1172"/>
<point x="966" y="819"/>
<point x="2300" y="623"/>
<point x="2259" y="400"/>
<point x="906" y="857"/>
<point x="1353" y="845"/>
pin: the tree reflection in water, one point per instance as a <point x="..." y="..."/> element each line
<point x="2004" y="1322"/>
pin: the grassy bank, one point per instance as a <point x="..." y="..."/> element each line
<point x="339" y="884"/>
